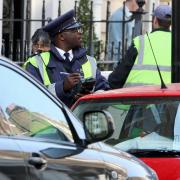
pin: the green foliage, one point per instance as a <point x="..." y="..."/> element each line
<point x="84" y="16"/>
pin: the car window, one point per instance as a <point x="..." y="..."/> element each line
<point x="140" y="124"/>
<point x="28" y="111"/>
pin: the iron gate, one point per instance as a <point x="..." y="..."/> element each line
<point x="17" y="24"/>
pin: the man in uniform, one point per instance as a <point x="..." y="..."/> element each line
<point x="66" y="70"/>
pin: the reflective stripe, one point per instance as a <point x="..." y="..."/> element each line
<point x="51" y="88"/>
<point x="141" y="50"/>
<point x="151" y="67"/>
<point x="135" y="84"/>
<point x="45" y="59"/>
<point x="40" y="63"/>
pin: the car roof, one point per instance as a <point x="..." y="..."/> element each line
<point x="138" y="91"/>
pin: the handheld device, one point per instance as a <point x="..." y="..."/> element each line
<point x="88" y="84"/>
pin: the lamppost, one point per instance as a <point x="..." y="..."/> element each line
<point x="175" y="41"/>
<point x="137" y="15"/>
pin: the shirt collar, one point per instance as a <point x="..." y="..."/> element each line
<point x="161" y="29"/>
<point x="61" y="52"/>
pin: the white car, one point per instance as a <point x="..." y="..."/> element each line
<point x="41" y="139"/>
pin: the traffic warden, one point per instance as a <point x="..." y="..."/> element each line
<point x="40" y="43"/>
<point x="67" y="70"/>
<point x="139" y="65"/>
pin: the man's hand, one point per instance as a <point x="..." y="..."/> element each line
<point x="88" y="85"/>
<point x="71" y="80"/>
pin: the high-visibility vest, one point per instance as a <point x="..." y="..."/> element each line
<point x="40" y="61"/>
<point x="144" y="70"/>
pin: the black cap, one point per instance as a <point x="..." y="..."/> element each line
<point x="63" y="22"/>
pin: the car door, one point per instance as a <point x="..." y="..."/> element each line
<point x="45" y="133"/>
<point x="12" y="165"/>
<point x="49" y="149"/>
<point x="61" y="161"/>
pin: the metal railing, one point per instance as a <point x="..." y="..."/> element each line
<point x="17" y="46"/>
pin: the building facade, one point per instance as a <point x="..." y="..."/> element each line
<point x="19" y="19"/>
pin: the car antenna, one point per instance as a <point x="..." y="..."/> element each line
<point x="163" y="86"/>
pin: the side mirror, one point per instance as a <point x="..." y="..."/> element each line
<point x="98" y="125"/>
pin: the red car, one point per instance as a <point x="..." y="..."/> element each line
<point x="147" y="124"/>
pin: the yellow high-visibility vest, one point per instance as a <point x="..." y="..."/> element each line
<point x="144" y="70"/>
<point x="41" y="61"/>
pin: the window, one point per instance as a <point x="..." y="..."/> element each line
<point x="29" y="112"/>
<point x="140" y="123"/>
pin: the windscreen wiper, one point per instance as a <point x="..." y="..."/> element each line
<point x="154" y="153"/>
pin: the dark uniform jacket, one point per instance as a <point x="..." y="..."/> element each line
<point x="57" y="64"/>
<point x="119" y="75"/>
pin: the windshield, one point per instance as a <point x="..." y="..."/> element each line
<point x="141" y="124"/>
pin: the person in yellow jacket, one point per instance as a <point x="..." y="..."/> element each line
<point x="139" y="66"/>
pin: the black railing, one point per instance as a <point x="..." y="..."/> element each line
<point x="16" y="43"/>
